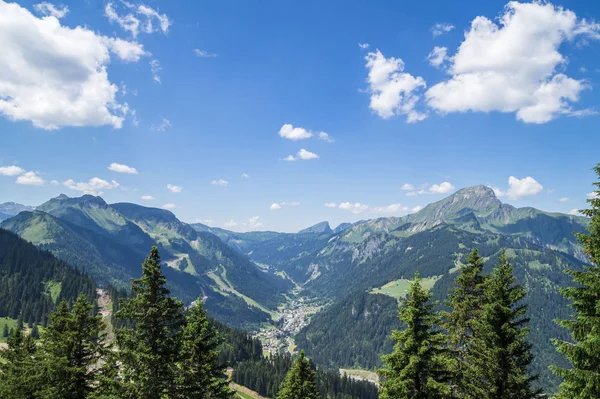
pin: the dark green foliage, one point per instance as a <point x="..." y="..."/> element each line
<point x="299" y="383"/>
<point x="149" y="350"/>
<point x="198" y="375"/>
<point x="265" y="375"/>
<point x="352" y="332"/>
<point x="24" y="270"/>
<point x="5" y="331"/>
<point x="582" y="380"/>
<point x="466" y="302"/>
<point x="418" y="366"/>
<point x="236" y="345"/>
<point x="19" y="379"/>
<point x="498" y="356"/>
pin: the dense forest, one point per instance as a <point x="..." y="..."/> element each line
<point x="33" y="281"/>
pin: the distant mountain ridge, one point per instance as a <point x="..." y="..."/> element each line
<point x="10" y="209"/>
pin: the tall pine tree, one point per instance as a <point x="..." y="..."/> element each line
<point x="299" y="382"/>
<point x="582" y="381"/>
<point x="418" y="366"/>
<point x="19" y="377"/>
<point x="500" y="355"/>
<point x="149" y="351"/>
<point x="466" y="302"/>
<point x="199" y="375"/>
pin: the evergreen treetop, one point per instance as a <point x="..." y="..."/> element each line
<point x="299" y="382"/>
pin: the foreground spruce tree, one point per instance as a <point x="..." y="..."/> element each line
<point x="418" y="366"/>
<point x="500" y="355"/>
<point x="19" y="378"/>
<point x="466" y="302"/>
<point x="199" y="376"/>
<point x="582" y="381"/>
<point x="74" y="351"/>
<point x="299" y="382"/>
<point x="149" y="351"/>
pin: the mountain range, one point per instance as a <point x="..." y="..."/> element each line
<point x="357" y="270"/>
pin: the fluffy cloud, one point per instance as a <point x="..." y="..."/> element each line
<point x="441" y="29"/>
<point x="563" y="199"/>
<point x="518" y="188"/>
<point x="120" y="168"/>
<point x="220" y="182"/>
<point x="147" y="197"/>
<point x="245" y="176"/>
<point x="437" y="56"/>
<point x="512" y="67"/>
<point x="174" y="189"/>
<point x="325" y="137"/>
<point x="290" y="132"/>
<point x="303" y="154"/>
<point x="54" y="75"/>
<point x="94" y="186"/>
<point x="358" y="208"/>
<point x="229" y="224"/>
<point x="498" y="192"/>
<point x="169" y="206"/>
<point x="49" y="9"/>
<point x="442" y="188"/>
<point x="138" y="18"/>
<point x="162" y="126"/>
<point x="30" y="179"/>
<point x="407" y="187"/>
<point x="11" y="170"/>
<point x="363" y="46"/>
<point x="393" y="91"/>
<point x="592" y="195"/>
<point x="204" y="54"/>
<point x="574" y="212"/>
<point x="275" y="206"/>
<point x="330" y="205"/>
<point x="254" y="223"/>
<point x="155" y="68"/>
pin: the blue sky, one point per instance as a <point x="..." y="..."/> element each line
<point x="199" y="92"/>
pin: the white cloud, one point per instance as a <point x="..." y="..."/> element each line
<point x="204" y="54"/>
<point x="30" y="179"/>
<point x="411" y="194"/>
<point x="220" y="182"/>
<point x="358" y="208"/>
<point x="524" y="187"/>
<point x="49" y="9"/>
<point x="393" y="91"/>
<point x="290" y="132"/>
<point x="12" y="170"/>
<point x="512" y="67"/>
<point x="563" y="199"/>
<point x="155" y="68"/>
<point x="164" y="125"/>
<point x="254" y="223"/>
<point x="277" y="206"/>
<point x="355" y="208"/>
<point x="437" y="56"/>
<point x="169" y="206"/>
<point x="54" y="75"/>
<point x="229" y="224"/>
<point x="574" y="212"/>
<point x="325" y="137"/>
<point x="416" y="209"/>
<point x="120" y="168"/>
<point x="139" y="17"/>
<point x="441" y="28"/>
<point x="393" y="208"/>
<point x="147" y="197"/>
<point x="407" y="187"/>
<point x="592" y="195"/>
<point x="93" y="186"/>
<point x="54" y="183"/>
<point x="174" y="189"/>
<point x="303" y="154"/>
<point x="442" y="188"/>
<point x="330" y="205"/>
<point x="363" y="46"/>
<point x="245" y="176"/>
<point x="498" y="192"/>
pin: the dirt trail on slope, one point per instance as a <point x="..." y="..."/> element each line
<point x="103" y="301"/>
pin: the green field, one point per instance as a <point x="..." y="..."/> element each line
<point x="53" y="289"/>
<point x="243" y="395"/>
<point x="11" y="323"/>
<point x="398" y="288"/>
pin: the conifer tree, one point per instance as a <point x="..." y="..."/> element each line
<point x="500" y="355"/>
<point x="74" y="350"/>
<point x="466" y="302"/>
<point x="582" y="381"/>
<point x="18" y="375"/>
<point x="149" y="350"/>
<point x="200" y="377"/>
<point x="5" y="331"/>
<point x="418" y="366"/>
<point x="299" y="382"/>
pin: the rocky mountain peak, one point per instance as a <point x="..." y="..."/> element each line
<point x="322" y="227"/>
